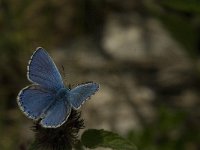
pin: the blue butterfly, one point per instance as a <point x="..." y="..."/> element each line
<point x="47" y="99"/>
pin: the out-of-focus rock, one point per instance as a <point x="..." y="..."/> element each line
<point x="139" y="39"/>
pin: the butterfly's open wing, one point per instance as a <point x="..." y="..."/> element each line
<point x="33" y="101"/>
<point x="57" y="114"/>
<point x="43" y="71"/>
<point x="81" y="93"/>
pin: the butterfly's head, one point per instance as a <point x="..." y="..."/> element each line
<point x="62" y="94"/>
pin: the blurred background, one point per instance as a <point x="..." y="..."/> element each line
<point x="143" y="53"/>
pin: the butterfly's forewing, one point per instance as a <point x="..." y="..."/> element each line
<point x="81" y="93"/>
<point x="43" y="71"/>
<point x="57" y="114"/>
<point x="33" y="101"/>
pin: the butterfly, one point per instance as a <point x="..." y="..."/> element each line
<point x="47" y="99"/>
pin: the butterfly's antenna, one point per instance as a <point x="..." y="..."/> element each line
<point x="63" y="71"/>
<point x="70" y="86"/>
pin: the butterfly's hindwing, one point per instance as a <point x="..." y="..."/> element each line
<point x="57" y="114"/>
<point x="81" y="93"/>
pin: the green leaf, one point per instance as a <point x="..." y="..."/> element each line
<point x="93" y="138"/>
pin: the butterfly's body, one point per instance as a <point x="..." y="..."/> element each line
<point x="63" y="94"/>
<point x="47" y="98"/>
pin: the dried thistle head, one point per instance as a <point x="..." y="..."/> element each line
<point x="61" y="138"/>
